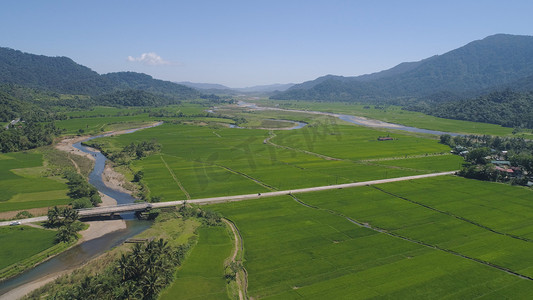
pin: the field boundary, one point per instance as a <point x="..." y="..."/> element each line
<point x="393" y="234"/>
<point x="175" y="178"/>
<point x="248" y="177"/>
<point x="455" y="216"/>
<point x="273" y="135"/>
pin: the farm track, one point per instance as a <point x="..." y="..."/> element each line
<point x="396" y="235"/>
<point x="455" y="216"/>
<point x="74" y="163"/>
<point x="271" y="188"/>
<point x="273" y="135"/>
<point x="242" y="283"/>
<point x="175" y="178"/>
<point x="405" y="157"/>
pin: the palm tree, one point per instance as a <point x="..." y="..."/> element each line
<point x="65" y="234"/>
<point x="70" y="215"/>
<point x="151" y="285"/>
<point x="53" y="217"/>
<point x="125" y="267"/>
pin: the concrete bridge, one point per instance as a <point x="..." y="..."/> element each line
<point x="115" y="209"/>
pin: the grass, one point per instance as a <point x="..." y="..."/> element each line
<point x="201" y="275"/>
<point x="293" y="251"/>
<point x="92" y="125"/>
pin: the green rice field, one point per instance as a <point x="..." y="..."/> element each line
<point x="23" y="185"/>
<point x="442" y="237"/>
<point x="15" y="242"/>
<point x="201" y="275"/>
<point x="297" y="251"/>
<point x="208" y="161"/>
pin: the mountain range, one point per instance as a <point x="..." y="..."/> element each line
<point x="63" y="75"/>
<point x="495" y="62"/>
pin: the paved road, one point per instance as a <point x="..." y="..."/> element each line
<point x="296" y="191"/>
<point x="141" y="206"/>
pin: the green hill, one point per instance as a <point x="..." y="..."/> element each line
<point x="58" y="74"/>
<point x="497" y="61"/>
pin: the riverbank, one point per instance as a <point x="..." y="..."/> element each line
<point x="111" y="178"/>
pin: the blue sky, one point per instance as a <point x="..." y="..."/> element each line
<point x="245" y="43"/>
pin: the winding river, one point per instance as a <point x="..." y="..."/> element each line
<point x="351" y="119"/>
<point x="82" y="253"/>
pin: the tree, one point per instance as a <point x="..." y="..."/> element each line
<point x="138" y="176"/>
<point x="65" y="234"/>
<point x="446" y="139"/>
<point x="54" y="217"/>
<point x="478" y="155"/>
<point x="69" y="215"/>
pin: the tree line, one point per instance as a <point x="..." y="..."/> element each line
<point x="506" y="108"/>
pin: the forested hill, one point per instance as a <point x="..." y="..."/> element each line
<point x="143" y="82"/>
<point x="494" y="62"/>
<point x="506" y="108"/>
<point x="63" y="75"/>
<point x="58" y="74"/>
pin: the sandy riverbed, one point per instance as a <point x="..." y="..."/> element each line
<point x="111" y="179"/>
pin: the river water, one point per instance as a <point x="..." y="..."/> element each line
<point x="352" y="119"/>
<point x="82" y="253"/>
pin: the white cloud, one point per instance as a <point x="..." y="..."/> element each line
<point x="150" y="58"/>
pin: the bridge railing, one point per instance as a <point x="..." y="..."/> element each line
<point x="146" y="204"/>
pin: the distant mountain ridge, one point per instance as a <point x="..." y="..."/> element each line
<point x="496" y="61"/>
<point x="219" y="88"/>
